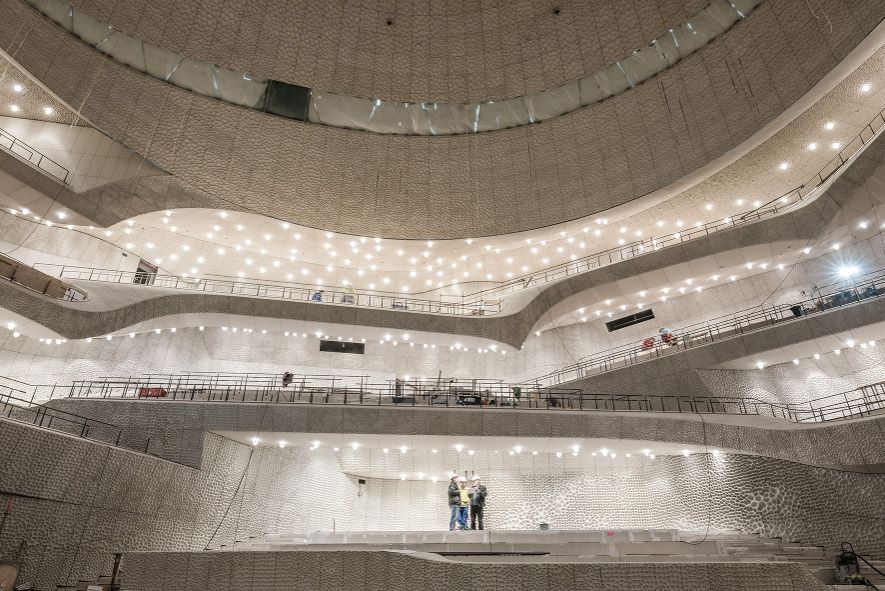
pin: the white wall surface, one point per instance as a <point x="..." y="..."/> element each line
<point x="810" y="379"/>
<point x="92" y="158"/>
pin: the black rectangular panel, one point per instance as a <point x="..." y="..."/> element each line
<point x="342" y="347"/>
<point x="287" y="100"/>
<point x="630" y="320"/>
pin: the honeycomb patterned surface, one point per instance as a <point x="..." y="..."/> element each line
<point x="74" y="503"/>
<point x="389" y="571"/>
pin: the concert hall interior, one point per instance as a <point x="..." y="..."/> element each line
<point x="398" y="294"/>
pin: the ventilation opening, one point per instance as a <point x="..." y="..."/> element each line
<point x="342" y="347"/>
<point x="629" y="320"/>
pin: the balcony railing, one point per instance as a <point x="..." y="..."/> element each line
<point x="14" y="405"/>
<point x="32" y="156"/>
<point x="30" y="278"/>
<point x="455" y="393"/>
<point x="276" y="291"/>
<point x="849" y="291"/>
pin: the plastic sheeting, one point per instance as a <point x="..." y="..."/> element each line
<point x="195" y="75"/>
<point x="407" y="118"/>
<point x="397" y="117"/>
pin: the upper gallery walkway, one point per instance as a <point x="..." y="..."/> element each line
<point x="453" y="393"/>
<point x="842" y="430"/>
<point x="828" y="297"/>
<point x="492" y="300"/>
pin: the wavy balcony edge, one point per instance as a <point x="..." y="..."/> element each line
<point x="486" y="301"/>
<point x="799" y="224"/>
<point x="787" y="441"/>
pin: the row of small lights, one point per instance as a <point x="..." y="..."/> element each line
<point x="849" y="344"/>
<point x="517" y="449"/>
<point x="59" y="214"/>
<point x="388" y="339"/>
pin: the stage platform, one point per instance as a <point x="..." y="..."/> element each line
<point x="554" y="546"/>
<point x="591" y="560"/>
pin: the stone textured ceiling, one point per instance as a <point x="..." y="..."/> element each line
<point x="489" y="184"/>
<point x="453" y="50"/>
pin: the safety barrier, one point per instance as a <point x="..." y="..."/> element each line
<point x="32" y="156"/>
<point x="455" y="393"/>
<point x="850" y="291"/>
<point x="35" y="280"/>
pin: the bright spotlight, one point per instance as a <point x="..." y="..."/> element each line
<point x="848" y="271"/>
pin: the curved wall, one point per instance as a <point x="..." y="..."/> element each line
<point x="74" y="502"/>
<point x="791" y="383"/>
<point x="175" y="431"/>
<point x="456" y="52"/>
<point x="396" y="117"/>
<point x="113" y="314"/>
<point x="465" y="186"/>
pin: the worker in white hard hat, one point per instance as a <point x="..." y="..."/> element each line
<point x="478" y="495"/>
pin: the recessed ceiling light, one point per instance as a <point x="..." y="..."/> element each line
<point x="812" y="146"/>
<point x="829" y="125"/>
<point x="17" y="87"/>
<point x="14" y="108"/>
<point x="836" y="145"/>
<point x="865" y="87"/>
<point x="784" y="165"/>
<point x="48" y="110"/>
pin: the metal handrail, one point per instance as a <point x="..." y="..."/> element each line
<point x="872" y="566"/>
<point x="448" y="392"/>
<point x="11" y="273"/>
<point x="275" y="290"/>
<point x="850" y="291"/>
<point x="34" y="157"/>
<point x="14" y="406"/>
